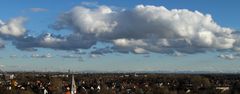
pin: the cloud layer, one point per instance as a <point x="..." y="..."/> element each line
<point x="149" y="29"/>
<point x="140" y="30"/>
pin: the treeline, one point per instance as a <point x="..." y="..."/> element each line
<point x="122" y="83"/>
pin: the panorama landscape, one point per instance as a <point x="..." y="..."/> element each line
<point x="119" y="47"/>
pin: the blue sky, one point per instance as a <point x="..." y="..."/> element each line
<point x="42" y="14"/>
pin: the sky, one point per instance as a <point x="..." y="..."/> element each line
<point x="120" y="35"/>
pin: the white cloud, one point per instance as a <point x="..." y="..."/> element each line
<point x="142" y="29"/>
<point x="48" y="39"/>
<point x="129" y="43"/>
<point x="13" y="27"/>
<point x="199" y="29"/>
<point x="140" y="51"/>
<point x="87" y="20"/>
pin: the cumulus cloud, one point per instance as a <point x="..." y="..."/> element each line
<point x="150" y="28"/>
<point x="13" y="27"/>
<point x="38" y="9"/>
<point x="85" y="20"/>
<point x="140" y="30"/>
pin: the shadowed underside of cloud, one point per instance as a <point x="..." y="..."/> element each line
<point x="140" y="30"/>
<point x="71" y="42"/>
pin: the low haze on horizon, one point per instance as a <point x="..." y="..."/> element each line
<point x="115" y="35"/>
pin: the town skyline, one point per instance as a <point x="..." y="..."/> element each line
<point x="111" y="35"/>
